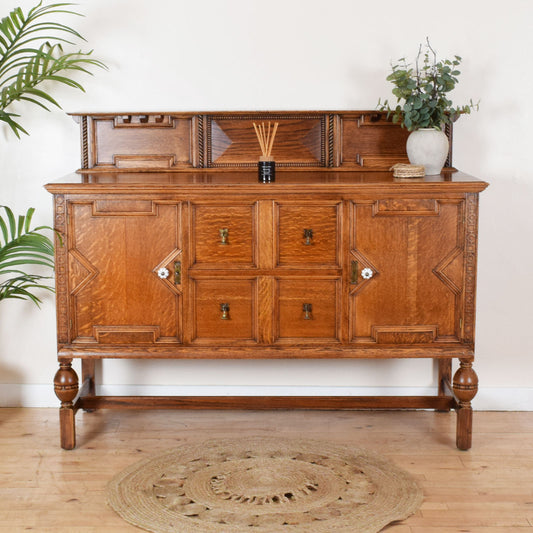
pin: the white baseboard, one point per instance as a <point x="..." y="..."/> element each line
<point x="487" y="399"/>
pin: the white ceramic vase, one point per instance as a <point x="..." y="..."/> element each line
<point x="428" y="147"/>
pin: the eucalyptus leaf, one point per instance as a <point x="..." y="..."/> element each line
<point x="421" y="89"/>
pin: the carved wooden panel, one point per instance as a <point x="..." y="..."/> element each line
<point x="372" y="142"/>
<point x="140" y="141"/>
<point x="415" y="250"/>
<point x="470" y="266"/>
<point x="231" y="140"/>
<point x="355" y="140"/>
<point x="116" y="248"/>
<point x="62" y="271"/>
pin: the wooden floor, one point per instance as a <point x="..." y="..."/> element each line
<point x="488" y="489"/>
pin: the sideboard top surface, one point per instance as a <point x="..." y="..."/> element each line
<point x="286" y="181"/>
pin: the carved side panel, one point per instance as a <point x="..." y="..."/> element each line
<point x="61" y="267"/>
<point x="84" y="142"/>
<point x="371" y="142"/>
<point x="470" y="266"/>
<point x="141" y="142"/>
<point x="200" y="121"/>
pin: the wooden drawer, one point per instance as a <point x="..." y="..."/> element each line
<point x="308" y="235"/>
<point x="224" y="235"/>
<point x="307" y="309"/>
<point x="225" y="309"/>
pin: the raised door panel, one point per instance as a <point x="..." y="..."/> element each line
<point x="407" y="265"/>
<point x="124" y="263"/>
<point x="224" y="236"/>
<point x="307" y="310"/>
<point x="308" y="235"/>
<point x="224" y="310"/>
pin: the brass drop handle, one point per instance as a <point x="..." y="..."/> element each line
<point x="354" y="272"/>
<point x="308" y="236"/>
<point x="177" y="273"/>
<point x="225" y="311"/>
<point x="307" y="309"/>
<point x="366" y="273"/>
<point x="223" y="232"/>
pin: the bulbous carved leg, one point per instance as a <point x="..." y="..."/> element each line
<point x="465" y="385"/>
<point x="66" y="389"/>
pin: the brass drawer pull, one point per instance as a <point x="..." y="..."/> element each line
<point x="223" y="232"/>
<point x="225" y="311"/>
<point x="307" y="309"/>
<point x="177" y="273"/>
<point x="308" y="236"/>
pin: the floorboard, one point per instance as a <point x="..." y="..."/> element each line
<point x="488" y="489"/>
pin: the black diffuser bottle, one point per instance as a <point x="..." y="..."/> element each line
<point x="266" y="166"/>
<point x="266" y="170"/>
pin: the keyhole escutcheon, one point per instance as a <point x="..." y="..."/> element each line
<point x="308" y="236"/>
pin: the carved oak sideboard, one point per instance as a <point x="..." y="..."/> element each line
<point x="172" y="249"/>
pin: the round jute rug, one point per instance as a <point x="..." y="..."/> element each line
<point x="264" y="485"/>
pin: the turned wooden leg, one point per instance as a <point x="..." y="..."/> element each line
<point x="87" y="375"/>
<point x="66" y="389"/>
<point x="445" y="378"/>
<point x="88" y="379"/>
<point x="465" y="384"/>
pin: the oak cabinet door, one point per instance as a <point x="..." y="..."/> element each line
<point x="308" y="235"/>
<point x="223" y="235"/>
<point x="407" y="268"/>
<point x="224" y="310"/>
<point x="124" y="261"/>
<point x="307" y="310"/>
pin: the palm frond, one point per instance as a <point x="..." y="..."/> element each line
<point x="31" y="52"/>
<point x="22" y="246"/>
<point x="22" y="287"/>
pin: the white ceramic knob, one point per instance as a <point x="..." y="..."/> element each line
<point x="163" y="273"/>
<point x="366" y="273"/>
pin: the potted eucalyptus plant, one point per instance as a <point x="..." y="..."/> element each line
<point x="423" y="105"/>
<point x="31" y="53"/>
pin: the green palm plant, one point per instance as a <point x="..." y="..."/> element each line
<point x="31" y="53"/>
<point x="20" y="245"/>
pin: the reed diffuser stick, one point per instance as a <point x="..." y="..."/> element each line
<point x="272" y="138"/>
<point x="265" y="136"/>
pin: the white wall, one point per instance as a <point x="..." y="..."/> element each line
<point x="168" y="55"/>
